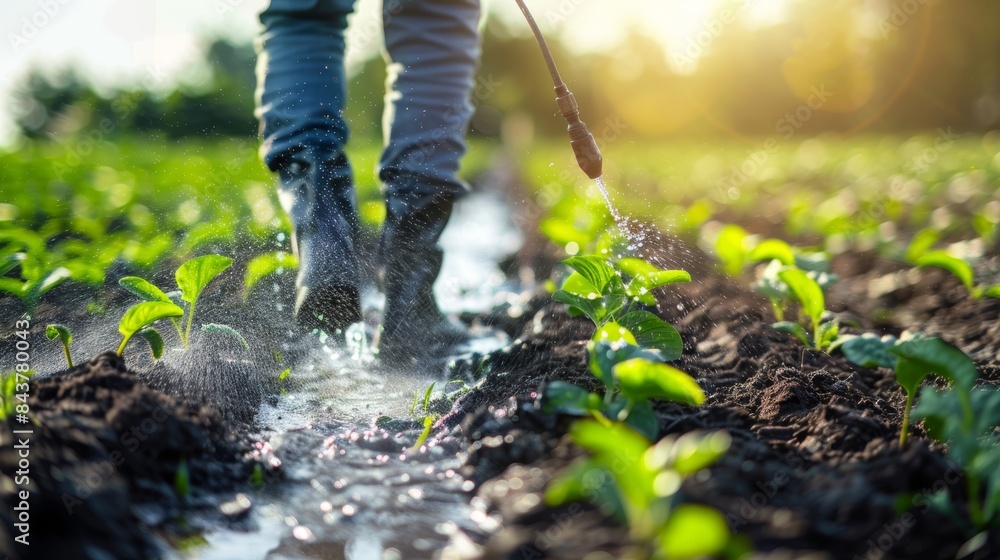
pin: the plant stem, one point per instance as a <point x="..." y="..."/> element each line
<point x="904" y="431"/>
<point x="177" y="325"/>
<point x="121" y="347"/>
<point x="187" y="334"/>
<point x="68" y="359"/>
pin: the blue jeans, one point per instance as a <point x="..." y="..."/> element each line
<point x="431" y="48"/>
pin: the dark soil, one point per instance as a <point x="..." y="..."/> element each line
<point x="814" y="466"/>
<point x="104" y="454"/>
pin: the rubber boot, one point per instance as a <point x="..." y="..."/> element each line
<point x="322" y="207"/>
<point x="409" y="261"/>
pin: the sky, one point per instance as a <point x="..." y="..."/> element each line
<point x="154" y="42"/>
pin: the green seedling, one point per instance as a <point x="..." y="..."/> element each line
<point x="959" y="269"/>
<point x="919" y="358"/>
<point x="32" y="287"/>
<point x="632" y="377"/>
<point x="596" y="289"/>
<point x="638" y="483"/>
<point x="64" y="335"/>
<point x="265" y="265"/>
<point x="770" y="284"/>
<point x="14" y="393"/>
<point x="192" y="278"/>
<point x="139" y="317"/>
<point x="731" y="247"/>
<point x="975" y="446"/>
<point x="810" y="296"/>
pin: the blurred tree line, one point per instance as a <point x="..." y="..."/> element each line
<point x="836" y="65"/>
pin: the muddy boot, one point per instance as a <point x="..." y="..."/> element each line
<point x="409" y="261"/>
<point x="321" y="206"/>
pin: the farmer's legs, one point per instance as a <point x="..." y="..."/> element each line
<point x="300" y="98"/>
<point x="432" y="47"/>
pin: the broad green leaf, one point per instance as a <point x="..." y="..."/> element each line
<point x="578" y="285"/>
<point x="828" y="332"/>
<point x="586" y="480"/>
<point x="265" y="265"/>
<point x="693" y="531"/>
<point x="688" y="453"/>
<point x="806" y="290"/>
<point x="195" y="274"/>
<point x="146" y="313"/>
<point x="12" y="286"/>
<point x="635" y="267"/>
<point x="869" y="350"/>
<point x="155" y="341"/>
<point x="643" y="420"/>
<point x="652" y="332"/>
<point x="565" y="398"/>
<point x="925" y="356"/>
<point x="642" y="379"/>
<point x="990" y="291"/>
<point x="10" y="262"/>
<point x="729" y="247"/>
<point x="227" y="330"/>
<point x="959" y="268"/>
<point x="61" y="332"/>
<point x="605" y="355"/>
<point x="921" y="244"/>
<point x="143" y="289"/>
<point x="794" y="329"/>
<point x="613" y="332"/>
<point x="594" y="269"/>
<point x="592" y="308"/>
<point x="772" y="249"/>
<point x="817" y="261"/>
<point x="620" y="449"/>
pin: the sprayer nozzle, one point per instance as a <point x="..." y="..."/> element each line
<point x="588" y="155"/>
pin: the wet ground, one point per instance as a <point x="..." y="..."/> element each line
<point x="320" y="465"/>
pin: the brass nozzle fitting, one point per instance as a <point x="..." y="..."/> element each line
<point x="588" y="155"/>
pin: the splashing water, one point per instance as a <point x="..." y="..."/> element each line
<point x="636" y="236"/>
<point x="607" y="200"/>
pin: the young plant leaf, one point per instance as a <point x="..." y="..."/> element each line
<point x="868" y="350"/>
<point x="652" y="332"/>
<point x="990" y="291"/>
<point x="34" y="291"/>
<point x="144" y="314"/>
<point x="265" y="265"/>
<point x="61" y="332"/>
<point x="921" y="244"/>
<point x="143" y="289"/>
<point x="154" y="340"/>
<point x="613" y="332"/>
<point x="641" y="418"/>
<point x="594" y="270"/>
<point x="693" y="531"/>
<point x="933" y="355"/>
<point x="10" y="262"/>
<point x="806" y="290"/>
<point x="226" y="330"/>
<point x="772" y="249"/>
<point x="592" y="308"/>
<point x="642" y="380"/>
<point x="64" y="335"/>
<point x="959" y="268"/>
<point x="729" y="247"/>
<point x="194" y="275"/>
<point x="690" y="452"/>
<point x="604" y="356"/>
<point x="560" y="397"/>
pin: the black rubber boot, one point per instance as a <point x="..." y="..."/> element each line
<point x="322" y="208"/>
<point x="409" y="261"/>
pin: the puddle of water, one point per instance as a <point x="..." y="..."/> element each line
<point x="352" y="490"/>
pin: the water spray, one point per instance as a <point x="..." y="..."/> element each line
<point x="588" y="155"/>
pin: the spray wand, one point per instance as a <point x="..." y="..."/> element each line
<point x="588" y="155"/>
